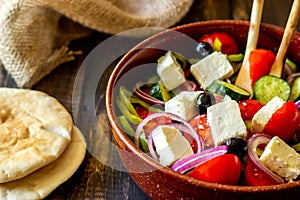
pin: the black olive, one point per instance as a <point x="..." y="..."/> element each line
<point x="204" y="49"/>
<point x="204" y="100"/>
<point x="237" y="146"/>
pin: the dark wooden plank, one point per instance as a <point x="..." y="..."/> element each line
<point x="274" y="12"/>
<point x="117" y="183"/>
<point x="240" y="9"/>
<point x="207" y="10"/>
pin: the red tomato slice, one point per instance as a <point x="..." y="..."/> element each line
<point x="224" y="169"/>
<point x="229" y="45"/>
<point x="260" y="62"/>
<point x="249" y="107"/>
<point x="200" y="125"/>
<point x="284" y="122"/>
<point x="142" y="111"/>
<point x="152" y="124"/>
<point x="256" y="177"/>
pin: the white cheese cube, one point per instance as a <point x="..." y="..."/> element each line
<point x="225" y="121"/>
<point x="183" y="104"/>
<point x="281" y="158"/>
<point x="170" y="145"/>
<point x="214" y="66"/>
<point x="170" y="72"/>
<point x="261" y="118"/>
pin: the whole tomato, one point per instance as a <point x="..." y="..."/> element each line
<point x="224" y="169"/>
<point x="228" y="43"/>
<point x="284" y="122"/>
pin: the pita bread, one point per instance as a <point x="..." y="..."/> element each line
<point x="43" y="181"/>
<point x="34" y="131"/>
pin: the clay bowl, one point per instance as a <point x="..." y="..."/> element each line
<point x="160" y="182"/>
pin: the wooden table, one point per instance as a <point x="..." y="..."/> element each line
<point x="96" y="179"/>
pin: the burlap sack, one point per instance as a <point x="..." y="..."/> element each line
<point x="32" y="43"/>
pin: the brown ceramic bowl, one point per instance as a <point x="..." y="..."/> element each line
<point x="160" y="182"/>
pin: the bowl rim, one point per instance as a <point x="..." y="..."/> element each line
<point x="133" y="148"/>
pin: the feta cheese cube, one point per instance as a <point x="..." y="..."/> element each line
<point x="261" y="118"/>
<point x="170" y="145"/>
<point x="281" y="158"/>
<point x="183" y="104"/>
<point x="170" y="72"/>
<point x="214" y="66"/>
<point x="225" y="121"/>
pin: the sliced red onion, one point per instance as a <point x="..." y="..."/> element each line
<point x="151" y="148"/>
<point x="185" y="164"/>
<point x="298" y="104"/>
<point x="287" y="69"/>
<point x="187" y="127"/>
<point x="292" y="77"/>
<point x="253" y="143"/>
<point x="228" y="80"/>
<point x="189" y="86"/>
<point x="144" y="96"/>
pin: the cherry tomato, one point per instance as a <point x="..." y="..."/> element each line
<point x="256" y="177"/>
<point x="228" y="44"/>
<point x="249" y="107"/>
<point x="224" y="169"/>
<point x="260" y="63"/>
<point x="199" y="123"/>
<point x="284" y="122"/>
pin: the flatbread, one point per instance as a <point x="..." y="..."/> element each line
<point x="42" y="182"/>
<point x="34" y="131"/>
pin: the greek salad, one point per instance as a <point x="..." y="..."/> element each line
<point x="192" y="118"/>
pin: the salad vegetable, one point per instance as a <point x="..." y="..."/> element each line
<point x="267" y="87"/>
<point x="191" y="118"/>
<point x="260" y="63"/>
<point x="221" y="42"/>
<point x="223" y="169"/>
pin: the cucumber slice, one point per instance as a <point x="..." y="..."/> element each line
<point x="267" y="87"/>
<point x="295" y="91"/>
<point x="234" y="92"/>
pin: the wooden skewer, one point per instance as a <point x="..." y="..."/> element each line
<point x="289" y="31"/>
<point x="243" y="78"/>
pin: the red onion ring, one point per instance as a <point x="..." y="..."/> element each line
<point x="185" y="164"/>
<point x="144" y="96"/>
<point x="297" y="103"/>
<point x="151" y="148"/>
<point x="191" y="131"/>
<point x="254" y="142"/>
